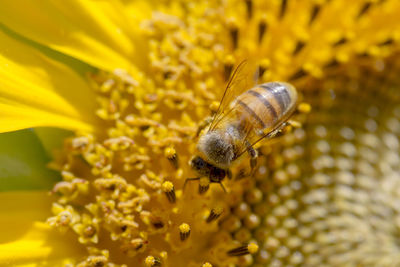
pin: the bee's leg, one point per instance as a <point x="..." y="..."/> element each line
<point x="223" y="187"/>
<point x="278" y="131"/>
<point x="229" y="174"/>
<point x="253" y="159"/>
<point x="203" y="125"/>
<point x="188" y="180"/>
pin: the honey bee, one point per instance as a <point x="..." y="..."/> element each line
<point x="258" y="113"/>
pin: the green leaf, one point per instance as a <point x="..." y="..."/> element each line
<point x="52" y="139"/>
<point x="23" y="161"/>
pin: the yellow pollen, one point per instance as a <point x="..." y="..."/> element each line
<point x="184" y="228"/>
<point x="304" y="108"/>
<point x="206" y="265"/>
<point x="170" y="152"/>
<point x="151" y="261"/>
<point x="167" y="186"/>
<point x="253" y="248"/>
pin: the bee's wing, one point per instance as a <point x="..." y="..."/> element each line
<point x="250" y="135"/>
<point x="240" y="80"/>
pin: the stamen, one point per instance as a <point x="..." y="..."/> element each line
<point x="184" y="231"/>
<point x="214" y="214"/>
<point x="283" y="8"/>
<point x="262" y="27"/>
<point x="331" y="64"/>
<point x="207" y="264"/>
<point x="297" y="75"/>
<point x="386" y="42"/>
<point x="364" y="9"/>
<point x="204" y="185"/>
<point x="314" y="14"/>
<point x="243" y="250"/>
<point x="249" y="7"/>
<point x="264" y="65"/>
<point x="152" y="261"/>
<point x="172" y="156"/>
<point x="169" y="191"/>
<point x="234" y="32"/>
<point x="298" y="48"/>
<point x="343" y="40"/>
<point x="158" y="224"/>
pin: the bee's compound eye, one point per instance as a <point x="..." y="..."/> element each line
<point x="198" y="163"/>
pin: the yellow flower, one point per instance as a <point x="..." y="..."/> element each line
<point x="135" y="81"/>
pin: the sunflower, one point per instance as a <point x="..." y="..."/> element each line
<point x="115" y="93"/>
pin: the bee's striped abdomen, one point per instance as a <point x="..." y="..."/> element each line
<point x="267" y="105"/>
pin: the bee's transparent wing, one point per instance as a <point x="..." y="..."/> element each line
<point x="240" y="80"/>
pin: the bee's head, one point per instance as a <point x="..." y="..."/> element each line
<point x="198" y="164"/>
<point x="217" y="149"/>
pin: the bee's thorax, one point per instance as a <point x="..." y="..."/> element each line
<point x="218" y="147"/>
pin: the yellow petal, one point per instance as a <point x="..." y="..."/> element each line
<point x="97" y="32"/>
<point x="38" y="91"/>
<point x="25" y="239"/>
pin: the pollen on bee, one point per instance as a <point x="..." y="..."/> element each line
<point x="169" y="191"/>
<point x="244" y="250"/>
<point x="184" y="231"/>
<point x="172" y="156"/>
<point x="151" y="261"/>
<point x="214" y="214"/>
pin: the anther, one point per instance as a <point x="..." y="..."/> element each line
<point x="152" y="261"/>
<point x="184" y="231"/>
<point x="228" y="67"/>
<point x="283" y="8"/>
<point x="170" y="154"/>
<point x="158" y="224"/>
<point x="262" y="27"/>
<point x="204" y="185"/>
<point x="331" y="64"/>
<point x="340" y="42"/>
<point x="364" y="9"/>
<point x="169" y="191"/>
<point x="207" y="264"/>
<point x="314" y="13"/>
<point x="234" y="32"/>
<point x="249" y="7"/>
<point x="297" y="75"/>
<point x="214" y="214"/>
<point x="300" y="45"/>
<point x="264" y="65"/>
<point x="243" y="250"/>
<point x="386" y="42"/>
